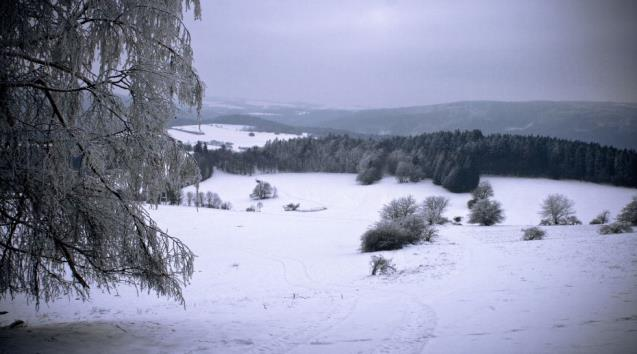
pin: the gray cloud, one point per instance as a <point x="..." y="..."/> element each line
<point x="389" y="53"/>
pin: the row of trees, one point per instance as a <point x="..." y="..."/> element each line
<point x="206" y="200"/>
<point x="454" y="160"/>
<point x="558" y="210"/>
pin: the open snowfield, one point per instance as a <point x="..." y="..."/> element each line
<point x="291" y="282"/>
<point x="238" y="135"/>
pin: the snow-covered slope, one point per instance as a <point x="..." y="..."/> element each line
<point x="343" y="197"/>
<point x="215" y="134"/>
<point x="276" y="281"/>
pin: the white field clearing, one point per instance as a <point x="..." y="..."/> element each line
<point x="275" y="281"/>
<point x="238" y="135"/>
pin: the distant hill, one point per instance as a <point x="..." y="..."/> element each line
<point x="607" y="123"/>
<point x="612" y="124"/>
<point x="265" y="125"/>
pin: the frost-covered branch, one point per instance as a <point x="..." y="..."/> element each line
<point x="86" y="88"/>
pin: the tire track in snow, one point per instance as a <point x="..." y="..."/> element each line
<point x="337" y="308"/>
<point x="366" y="328"/>
<point x="411" y="326"/>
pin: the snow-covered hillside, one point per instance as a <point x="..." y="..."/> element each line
<point x="215" y="134"/>
<point x="275" y="281"/>
<point x="343" y="197"/>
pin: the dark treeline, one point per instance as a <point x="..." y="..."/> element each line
<point x="454" y="160"/>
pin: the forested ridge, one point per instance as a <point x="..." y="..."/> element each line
<point x="454" y="160"/>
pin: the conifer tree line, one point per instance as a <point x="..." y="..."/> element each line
<point x="454" y="160"/>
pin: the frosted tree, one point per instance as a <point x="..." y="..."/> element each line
<point x="263" y="190"/>
<point x="86" y="88"/>
<point x="433" y="208"/>
<point x="628" y="214"/>
<point x="199" y="199"/>
<point x="557" y="209"/>
<point x="482" y="191"/>
<point x="486" y="213"/>
<point x="399" y="208"/>
<point x="601" y="218"/>
<point x="404" y="171"/>
<point x="370" y="168"/>
<point x="209" y="199"/>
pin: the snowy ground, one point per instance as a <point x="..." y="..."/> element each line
<point x="276" y="281"/>
<point x="214" y="134"/>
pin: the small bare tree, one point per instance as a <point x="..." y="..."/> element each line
<point x="209" y="198"/>
<point x="381" y="265"/>
<point x="189" y="197"/>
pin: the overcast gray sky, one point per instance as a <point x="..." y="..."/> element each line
<point x="375" y="53"/>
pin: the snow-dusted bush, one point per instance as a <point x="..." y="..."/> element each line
<point x="394" y="234"/>
<point x="263" y="190"/>
<point x="417" y="229"/>
<point x="457" y="220"/>
<point x="570" y="220"/>
<point x="486" y="213"/>
<point x="601" y="218"/>
<point x="615" y="228"/>
<point x="428" y="233"/>
<point x="291" y="206"/>
<point x="400" y="225"/>
<point x="533" y="233"/>
<point x="432" y="209"/>
<point x="381" y="265"/>
<point x="384" y="236"/>
<point x="399" y="208"/>
<point x="628" y="214"/>
<point x="251" y="209"/>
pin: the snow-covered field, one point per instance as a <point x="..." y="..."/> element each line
<point x="238" y="135"/>
<point x="275" y="281"/>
